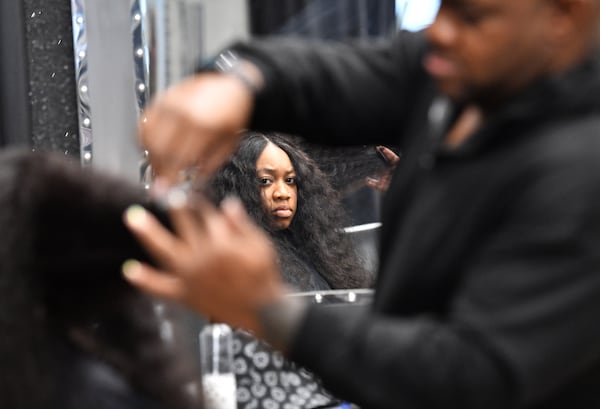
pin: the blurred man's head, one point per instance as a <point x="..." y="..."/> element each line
<point x="485" y="50"/>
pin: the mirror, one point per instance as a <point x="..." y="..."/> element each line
<point x="152" y="44"/>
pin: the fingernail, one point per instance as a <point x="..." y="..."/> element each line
<point x="131" y="268"/>
<point x="231" y="203"/>
<point x="160" y="187"/>
<point x="177" y="197"/>
<point x="135" y="216"/>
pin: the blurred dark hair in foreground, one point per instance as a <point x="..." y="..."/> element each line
<point x="73" y="333"/>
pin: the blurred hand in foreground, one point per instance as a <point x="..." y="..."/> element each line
<point x="217" y="262"/>
<point x="195" y="124"/>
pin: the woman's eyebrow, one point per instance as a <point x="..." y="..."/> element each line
<point x="273" y="171"/>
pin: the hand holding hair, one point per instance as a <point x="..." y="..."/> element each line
<point x="195" y="124"/>
<point x="217" y="262"/>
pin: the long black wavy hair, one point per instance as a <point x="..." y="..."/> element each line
<point x="63" y="299"/>
<point x="314" y="241"/>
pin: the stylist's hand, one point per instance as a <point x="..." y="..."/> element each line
<point x="195" y="124"/>
<point x="391" y="159"/>
<point x="217" y="262"/>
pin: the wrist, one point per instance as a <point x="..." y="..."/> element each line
<point x="279" y="321"/>
<point x="229" y="63"/>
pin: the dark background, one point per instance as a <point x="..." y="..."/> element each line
<point x="37" y="81"/>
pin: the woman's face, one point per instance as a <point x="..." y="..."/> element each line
<point x="277" y="179"/>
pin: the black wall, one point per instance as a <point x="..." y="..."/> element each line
<point x="38" y="105"/>
<point x="14" y="78"/>
<point x="325" y="19"/>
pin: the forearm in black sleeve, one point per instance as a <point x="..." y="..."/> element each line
<point x="383" y="362"/>
<point x="338" y="93"/>
<point x="522" y="326"/>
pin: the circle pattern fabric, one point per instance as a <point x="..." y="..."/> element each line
<point x="266" y="380"/>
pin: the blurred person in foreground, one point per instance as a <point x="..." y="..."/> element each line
<point x="489" y="279"/>
<point x="73" y="333"/>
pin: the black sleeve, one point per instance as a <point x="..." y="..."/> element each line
<point x="523" y="324"/>
<point x="337" y="93"/>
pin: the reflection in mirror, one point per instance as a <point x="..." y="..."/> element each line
<point x="165" y="40"/>
<point x="175" y="36"/>
<point x="262" y="373"/>
<point x="159" y="43"/>
<point x="106" y="85"/>
<point x="286" y="193"/>
<point x="346" y="168"/>
<point x="361" y="296"/>
<point x="324" y="19"/>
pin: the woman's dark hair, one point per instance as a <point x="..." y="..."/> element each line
<point x="63" y="299"/>
<point x="315" y="234"/>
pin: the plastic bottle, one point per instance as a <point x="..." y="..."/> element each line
<point x="216" y="361"/>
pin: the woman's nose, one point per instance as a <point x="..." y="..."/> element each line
<point x="281" y="191"/>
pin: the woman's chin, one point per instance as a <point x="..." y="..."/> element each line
<point x="282" y="224"/>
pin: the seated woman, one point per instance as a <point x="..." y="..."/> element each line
<point x="73" y="333"/>
<point x="285" y="192"/>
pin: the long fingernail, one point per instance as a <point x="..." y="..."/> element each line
<point x="131" y="269"/>
<point x="160" y="187"/>
<point x="232" y="204"/>
<point x="177" y="197"/>
<point x="135" y="216"/>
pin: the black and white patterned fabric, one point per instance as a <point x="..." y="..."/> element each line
<point x="266" y="380"/>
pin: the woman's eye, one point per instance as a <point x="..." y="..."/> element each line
<point x="265" y="181"/>
<point x="291" y="181"/>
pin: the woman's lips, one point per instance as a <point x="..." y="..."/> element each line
<point x="283" y="212"/>
<point x="438" y="66"/>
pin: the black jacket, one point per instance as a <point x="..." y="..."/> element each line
<point x="488" y="292"/>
